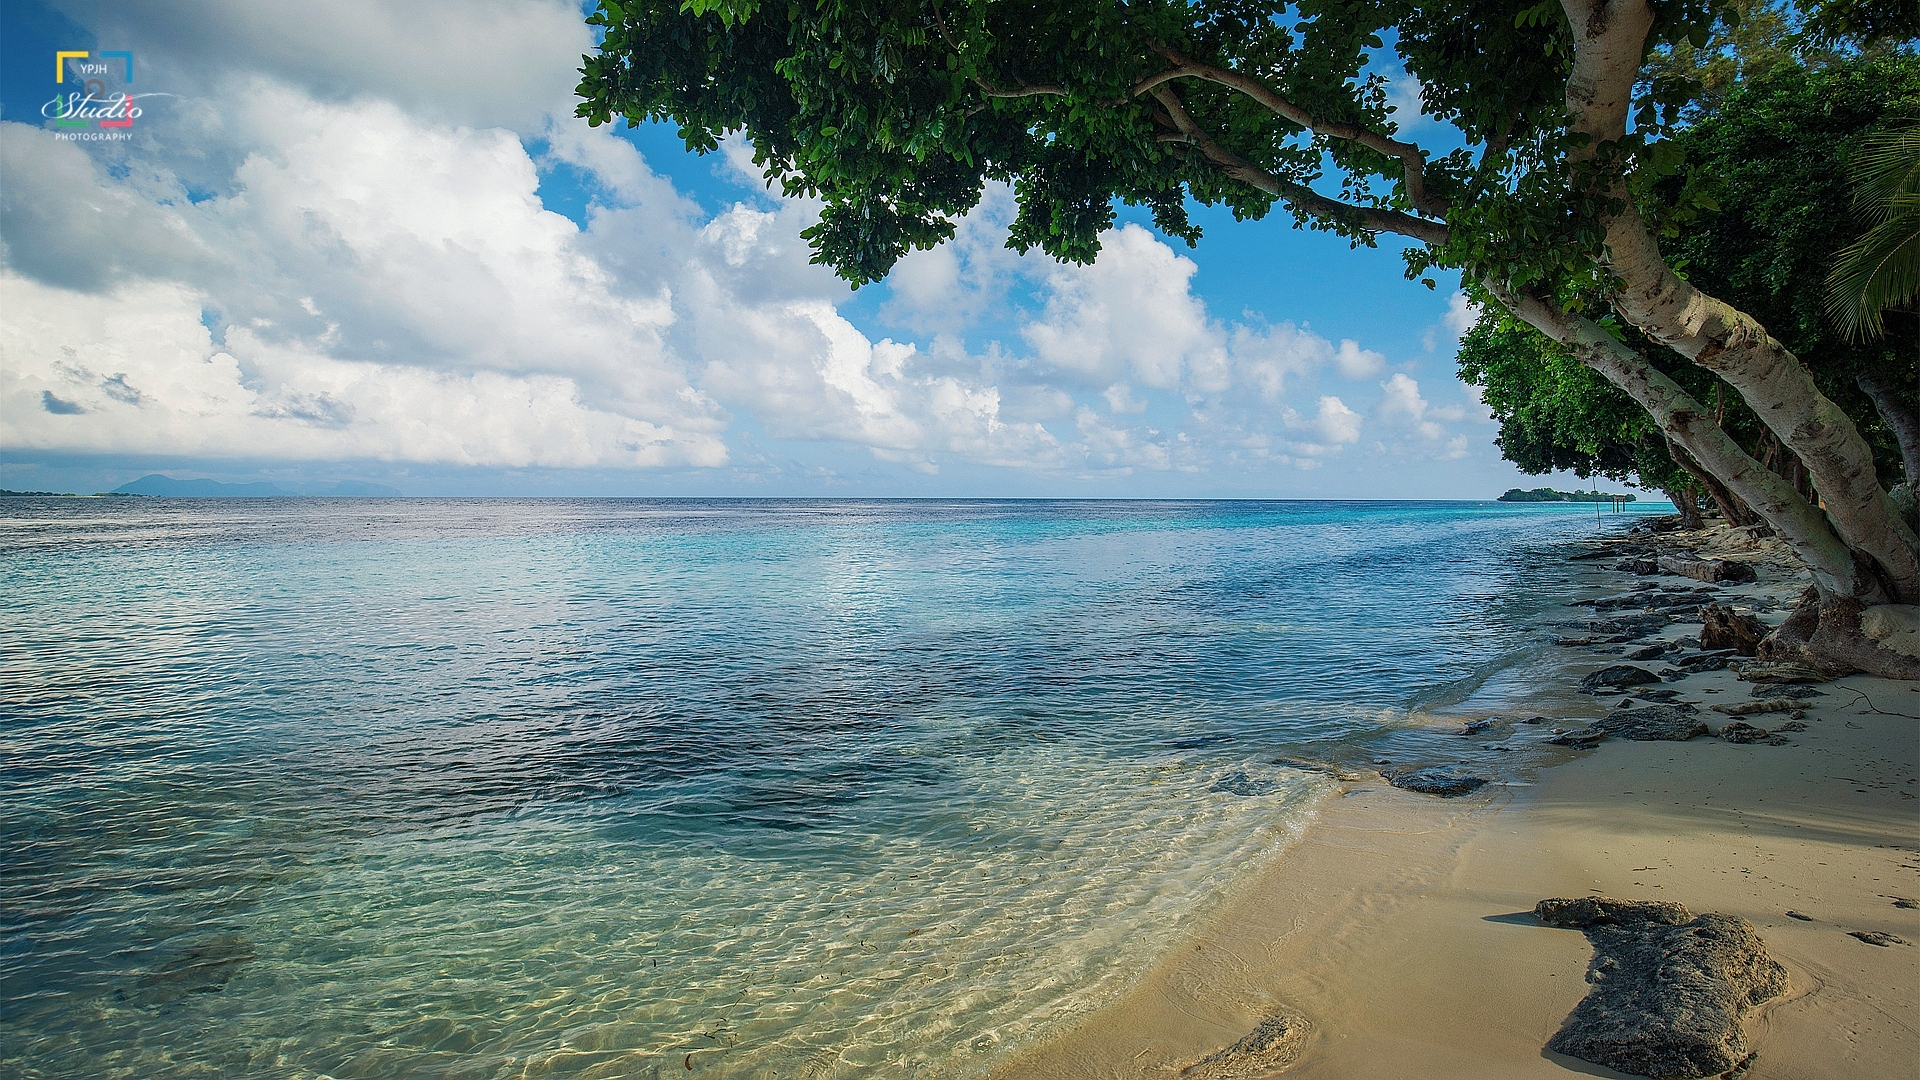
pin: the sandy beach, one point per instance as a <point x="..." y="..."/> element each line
<point x="1400" y="926"/>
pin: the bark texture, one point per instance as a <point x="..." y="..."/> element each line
<point x="1826" y="635"/>
<point x="1898" y="411"/>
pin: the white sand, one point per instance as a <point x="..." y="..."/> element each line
<point x="1397" y="925"/>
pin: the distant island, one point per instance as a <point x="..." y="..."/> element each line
<point x="1550" y="495"/>
<point x="157" y="484"/>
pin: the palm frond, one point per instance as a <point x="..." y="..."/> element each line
<point x="1881" y="269"/>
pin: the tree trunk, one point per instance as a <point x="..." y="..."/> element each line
<point x="1731" y="507"/>
<point x="1898" y="411"/>
<point x="1689" y="506"/>
<point x="1610" y="39"/>
<point x="1687" y="423"/>
<point x="1826" y="635"/>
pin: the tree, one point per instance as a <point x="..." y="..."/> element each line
<point x="1555" y="415"/>
<point x="1881" y="270"/>
<point x="1782" y="219"/>
<point x="1766" y="153"/>
<point x="896" y="113"/>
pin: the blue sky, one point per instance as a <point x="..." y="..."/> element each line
<point x="321" y="254"/>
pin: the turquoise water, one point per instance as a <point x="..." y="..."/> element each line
<point x="585" y="788"/>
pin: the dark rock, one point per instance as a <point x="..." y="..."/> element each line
<point x="205" y="966"/>
<point x="1782" y="673"/>
<point x="1700" y="662"/>
<point x="1653" y="723"/>
<point x="1238" y="783"/>
<point x="1723" y="628"/>
<point x="1627" y="624"/>
<point x="1904" y="902"/>
<point x="1785" y="690"/>
<point x="1619" y="675"/>
<point x="1534" y="720"/>
<point x="1662" y="694"/>
<point x="1584" y="739"/>
<point x="1436" y="781"/>
<point x="1573" y="641"/>
<point x="1741" y="732"/>
<point x="1305" y="765"/>
<point x="1637" y="566"/>
<point x="1648" y="652"/>
<point x="1272" y="1046"/>
<point x="1621" y="600"/>
<point x="1475" y="727"/>
<point x="1668" y="991"/>
<point x="1706" y="569"/>
<point x="1580" y="912"/>
<point x="1757" y="706"/>
<point x="1875" y="937"/>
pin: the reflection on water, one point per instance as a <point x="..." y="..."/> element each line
<point x="299" y="788"/>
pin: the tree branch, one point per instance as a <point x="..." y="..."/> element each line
<point x="1609" y="41"/>
<point x="1689" y="424"/>
<point x="940" y="23"/>
<point x="1018" y="92"/>
<point x="1413" y="162"/>
<point x="1373" y="219"/>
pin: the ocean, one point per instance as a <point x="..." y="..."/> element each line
<point x="621" y="788"/>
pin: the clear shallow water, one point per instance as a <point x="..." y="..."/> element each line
<point x="582" y="788"/>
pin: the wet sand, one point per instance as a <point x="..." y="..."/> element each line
<point x="1400" y="927"/>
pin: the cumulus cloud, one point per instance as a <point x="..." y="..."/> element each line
<point x="134" y="370"/>
<point x="1404" y="97"/>
<point x="1416" y="422"/>
<point x="362" y="264"/>
<point x="339" y="251"/>
<point x="1130" y="316"/>
<point x="1333" y="425"/>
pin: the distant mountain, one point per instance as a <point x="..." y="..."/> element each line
<point x="1550" y="495"/>
<point x="156" y="484"/>
<point x="359" y="489"/>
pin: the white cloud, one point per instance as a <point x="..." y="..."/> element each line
<point x="1355" y="362"/>
<point x="1403" y="410"/>
<point x="1121" y="400"/>
<point x="1404" y="97"/>
<point x="1460" y="316"/>
<point x="1334" y="425"/>
<point x="338" y="251"/>
<point x="1128" y="317"/>
<point x="135" y="371"/>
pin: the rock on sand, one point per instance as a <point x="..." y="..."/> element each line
<point x="1272" y="1046"/>
<point x="1668" y="990"/>
<point x="1653" y="723"/>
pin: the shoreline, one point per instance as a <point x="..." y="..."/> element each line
<point x="1399" y="925"/>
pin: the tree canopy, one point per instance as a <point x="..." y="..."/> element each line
<point x="1555" y="205"/>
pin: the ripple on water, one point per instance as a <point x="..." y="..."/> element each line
<point x="603" y="788"/>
